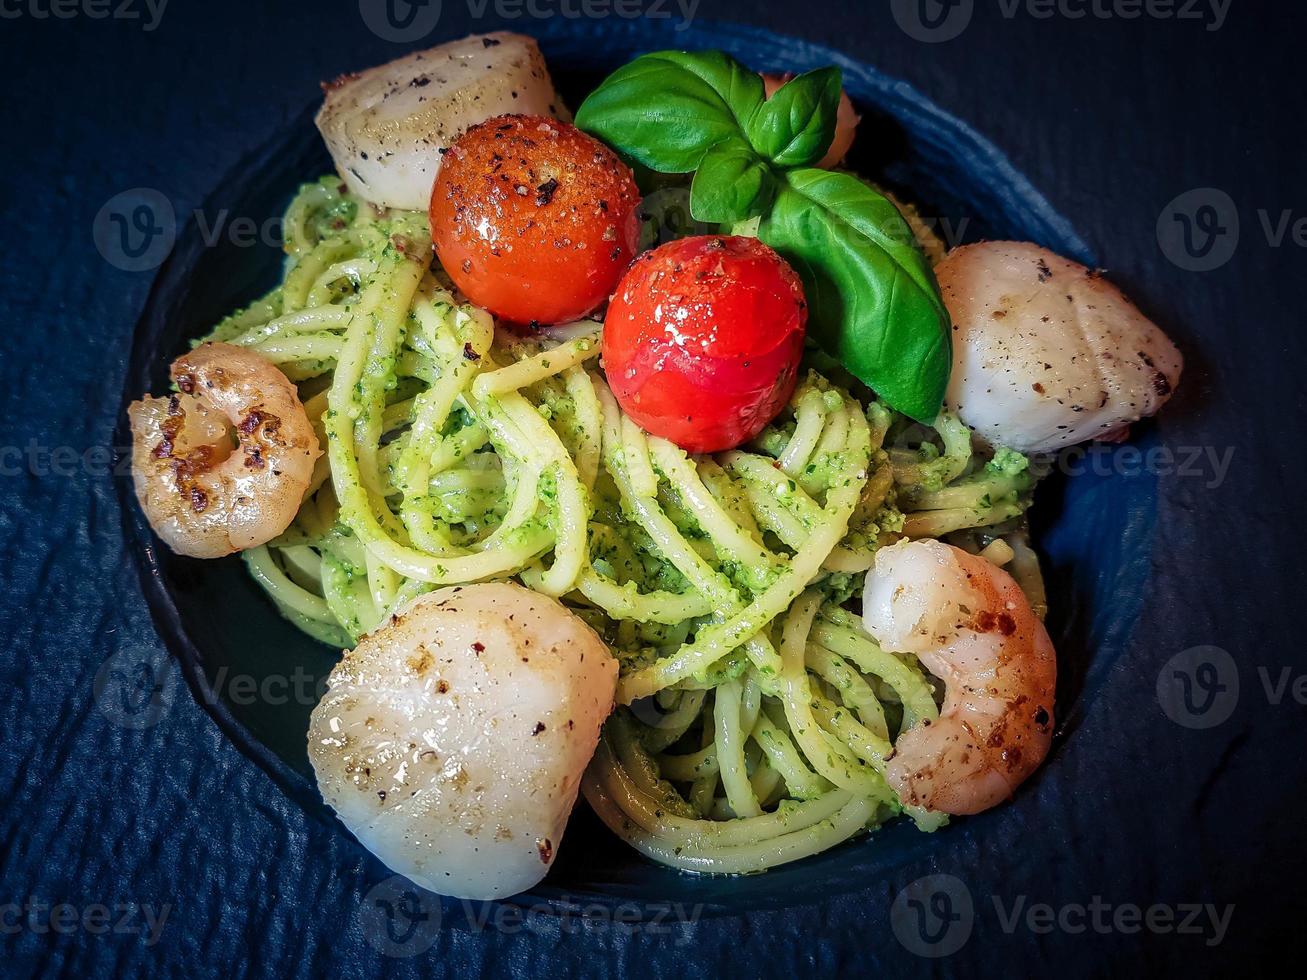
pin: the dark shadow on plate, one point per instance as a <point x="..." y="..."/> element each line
<point x="259" y="677"/>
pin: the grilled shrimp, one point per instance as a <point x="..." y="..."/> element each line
<point x="207" y="494"/>
<point x="387" y="127"/>
<point x="452" y="741"/>
<point x="970" y="625"/>
<point x="1047" y="353"/>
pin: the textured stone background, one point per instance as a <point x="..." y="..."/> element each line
<point x="1112" y="118"/>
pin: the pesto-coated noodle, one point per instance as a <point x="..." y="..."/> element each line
<point x="756" y="712"/>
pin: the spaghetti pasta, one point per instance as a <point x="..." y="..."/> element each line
<point x="756" y="713"/>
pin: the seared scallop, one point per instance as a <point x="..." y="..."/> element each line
<point x="387" y="127"/>
<point x="1046" y="352"/>
<point x="452" y="740"/>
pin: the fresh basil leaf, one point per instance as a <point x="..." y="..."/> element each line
<point x="795" y="127"/>
<point x="666" y="110"/>
<point x="873" y="302"/>
<point x="732" y="183"/>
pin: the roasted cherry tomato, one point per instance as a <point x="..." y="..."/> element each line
<point x="703" y="338"/>
<point x="533" y="219"/>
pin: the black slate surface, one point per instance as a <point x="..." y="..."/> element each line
<point x="1113" y="118"/>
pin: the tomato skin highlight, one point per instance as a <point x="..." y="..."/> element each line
<point x="534" y="220"/>
<point x="703" y="338"/>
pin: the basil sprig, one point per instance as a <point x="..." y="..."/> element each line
<point x="795" y="127"/>
<point x="873" y="300"/>
<point x="731" y="184"/>
<point x="666" y="110"/>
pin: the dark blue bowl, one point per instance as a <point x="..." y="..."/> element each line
<point x="1094" y="532"/>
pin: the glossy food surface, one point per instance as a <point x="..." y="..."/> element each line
<point x="533" y="219"/>
<point x="702" y="340"/>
